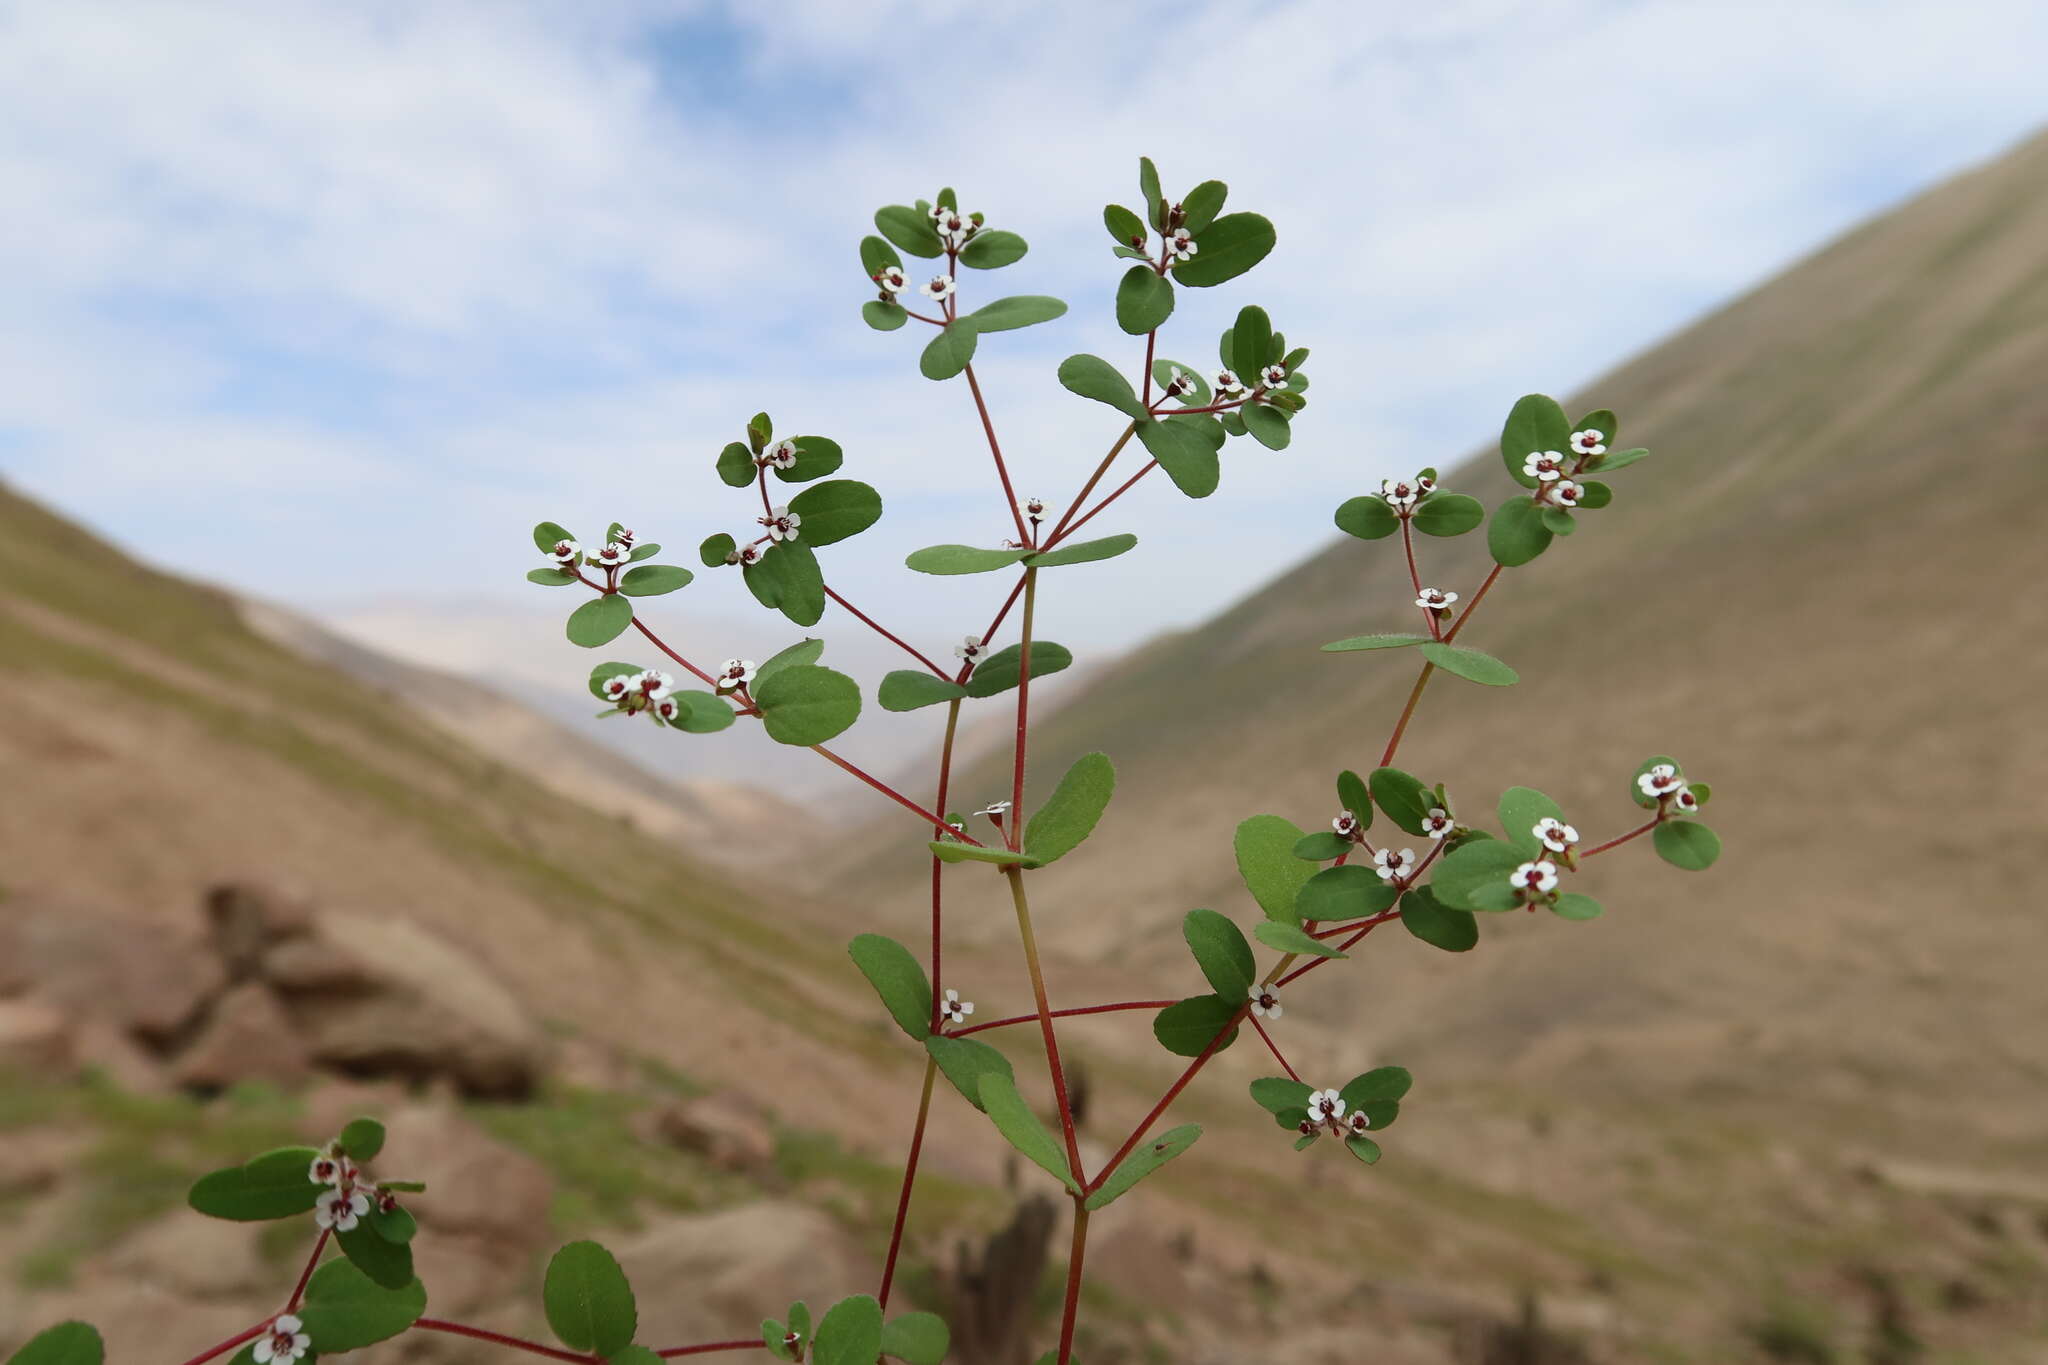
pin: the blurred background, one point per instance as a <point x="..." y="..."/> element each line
<point x="312" y="311"/>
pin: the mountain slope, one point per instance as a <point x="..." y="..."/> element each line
<point x="1820" y="595"/>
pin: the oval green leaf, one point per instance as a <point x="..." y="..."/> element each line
<point x="1473" y="664"/>
<point x="898" y="978"/>
<point x="806" y="704"/>
<point x="589" y="1305"/>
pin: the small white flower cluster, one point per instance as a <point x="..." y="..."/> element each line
<point x="566" y="554"/>
<point x="782" y="524"/>
<point x="1554" y="482"/>
<point x="1326" y="1113"/>
<point x="1535" y="879"/>
<point x="938" y="288"/>
<point x="1346" y="825"/>
<point x="1668" y="786"/>
<point x="954" y="1010"/>
<point x="1394" y="866"/>
<point x="1265" y="1002"/>
<point x="1403" y="494"/>
<point x="995" y="810"/>
<point x="781" y="455"/>
<point x="348" y="1196"/>
<point x="1555" y="835"/>
<point x="734" y="674"/>
<point x="1033" y="510"/>
<point x="954" y="228"/>
<point x="1435" y="599"/>
<point x="282" y="1341"/>
<point x="1177" y="382"/>
<point x="612" y="555"/>
<point x="1180" y="246"/>
<point x="1228" y="385"/>
<point x="1273" y="377"/>
<point x="1437" y="823"/>
<point x="892" y="279"/>
<point x="971" y="649"/>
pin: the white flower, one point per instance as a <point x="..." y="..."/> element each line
<point x="1034" y="510"/>
<point x="325" y="1170"/>
<point x="1274" y="376"/>
<point x="565" y="554"/>
<point x="1684" y="800"/>
<point x="1391" y="865"/>
<point x="1228" y="384"/>
<point x="1661" y="780"/>
<point x="751" y="554"/>
<point x="615" y="688"/>
<point x="1437" y="823"/>
<point x="1539" y="876"/>
<point x="1565" y="493"/>
<point x="1345" y="824"/>
<point x="1544" y="464"/>
<point x="1399" y="494"/>
<point x="782" y="455"/>
<point x="954" y="230"/>
<point x="1555" y="834"/>
<point x="955" y="1010"/>
<point x="1425" y="483"/>
<point x="613" y="554"/>
<point x="669" y="709"/>
<point x="1359" y="1123"/>
<point x="940" y="288"/>
<point x="1180" y="245"/>
<point x="338" y="1211"/>
<point x="1325" y="1106"/>
<point x="283" y="1340"/>
<point x="892" y="279"/>
<point x="781" y="524"/>
<point x="971" y="650"/>
<point x="653" y="685"/>
<point x="735" y="673"/>
<point x="1177" y="383"/>
<point x="624" y="537"/>
<point x="1589" y="442"/>
<point x="1435" y="599"/>
<point x="1265" y="1002"/>
<point x="994" y="809"/>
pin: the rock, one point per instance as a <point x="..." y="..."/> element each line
<point x="246" y="1037"/>
<point x="149" y="979"/>
<point x="14" y="977"/>
<point x="394" y="1000"/>
<point x="249" y="918"/>
<point x="105" y="1047"/>
<point x="35" y="1159"/>
<point x="199" y="1258"/>
<point x="35" y="1036"/>
<point x="726" y="1127"/>
<point x="740" y="1265"/>
<point x="475" y="1184"/>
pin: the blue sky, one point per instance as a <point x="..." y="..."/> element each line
<point x="289" y="285"/>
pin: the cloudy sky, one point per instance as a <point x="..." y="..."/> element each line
<point x="335" y="301"/>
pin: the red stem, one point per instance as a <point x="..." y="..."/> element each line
<point x="705" y="1349"/>
<point x="657" y="642"/>
<point x="1271" y="1046"/>
<point x="230" y="1343"/>
<point x="924" y="1109"/>
<point x="463" y="1329"/>
<point x="299" y="1289"/>
<point x="1621" y="839"/>
<point x="1149" y="467"/>
<point x="995" y="449"/>
<point x="1172" y="1093"/>
<point x="1471" y="606"/>
<point x="898" y="797"/>
<point x="1064" y="1014"/>
<point x="1415" y="580"/>
<point x="1071" y="1312"/>
<point x="1407" y="713"/>
<point x="888" y="635"/>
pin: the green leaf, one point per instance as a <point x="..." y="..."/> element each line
<point x="396" y="1226"/>
<point x="1353" y="795"/>
<point x="385" y="1261"/>
<point x="883" y="317"/>
<point x="736" y="465"/>
<point x="760" y="431"/>
<point x="1618" y="459"/>
<point x="1221" y="951"/>
<point x="1686" y="844"/>
<point x="907" y="689"/>
<point x="1278" y="1094"/>
<point x="1368" y="518"/>
<point x="1535" y="423"/>
<point x="1124" y="226"/>
<point x="1377" y="1086"/>
<point x="1019" y="310"/>
<point x="948" y="352"/>
<point x="1251" y="342"/>
<point x="1069" y="815"/>
<point x="965" y="1062"/>
<point x="1182" y="451"/>
<point x="917" y="1339"/>
<point x="1476" y="665"/>
<point x="550" y="578"/>
<point x="876" y="256"/>
<point x="1093" y="377"/>
<point x="1082" y="552"/>
<point x="991" y="250"/>
<point x="1352" y="891"/>
<point x="1015" y="1121"/>
<point x="800" y="590"/>
<point x="1148" y="189"/>
<point x="1447" y="514"/>
<point x="1593" y="495"/>
<point x="1144" y="1159"/>
<point x="589" y="1304"/>
<point x="548" y="535"/>
<point x="1267" y="424"/>
<point x="713" y="551"/>
<point x="1574" y="905"/>
<point x="898" y="978"/>
<point x="1521" y="808"/>
<point x="645" y="550"/>
<point x="912" y="231"/>
<point x="1144" y="300"/>
<point x="1558" y="522"/>
<point x="273" y="1185"/>
<point x="1437" y="924"/>
<point x="1292" y="938"/>
<point x="1321" y="846"/>
<point x="1356" y="642"/>
<point x="1464" y="875"/>
<point x="949" y="852"/>
<point x="1162" y="375"/>
<point x="599" y="621"/>
<point x="68" y="1343"/>
<point x="1517" y="534"/>
<point x="802" y="652"/>
<point x="362" y="1139"/>
<point x="1187" y="1028"/>
<point x="1602" y="421"/>
<point x="1202" y="205"/>
<point x="816" y="456"/>
<point x="345" y="1310"/>
<point x="1265" y="860"/>
<point x="805" y="704"/>
<point x="1403" y="797"/>
<point x="1228" y="247"/>
<point x="1001" y="671"/>
<point x="1364" y="1148"/>
<point x="703" y="713"/>
<point x="652" y="580"/>
<point x="850" y="1333"/>
<point x="959" y="559"/>
<point x="635" y="1355"/>
<point x="836" y="509"/>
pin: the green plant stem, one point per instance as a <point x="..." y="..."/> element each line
<point x="939" y="868"/>
<point x="924" y="1110"/>
<point x="1052" y="1043"/>
<point x="1407" y="712"/>
<point x="1076" y="1252"/>
<point x="1015" y="823"/>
